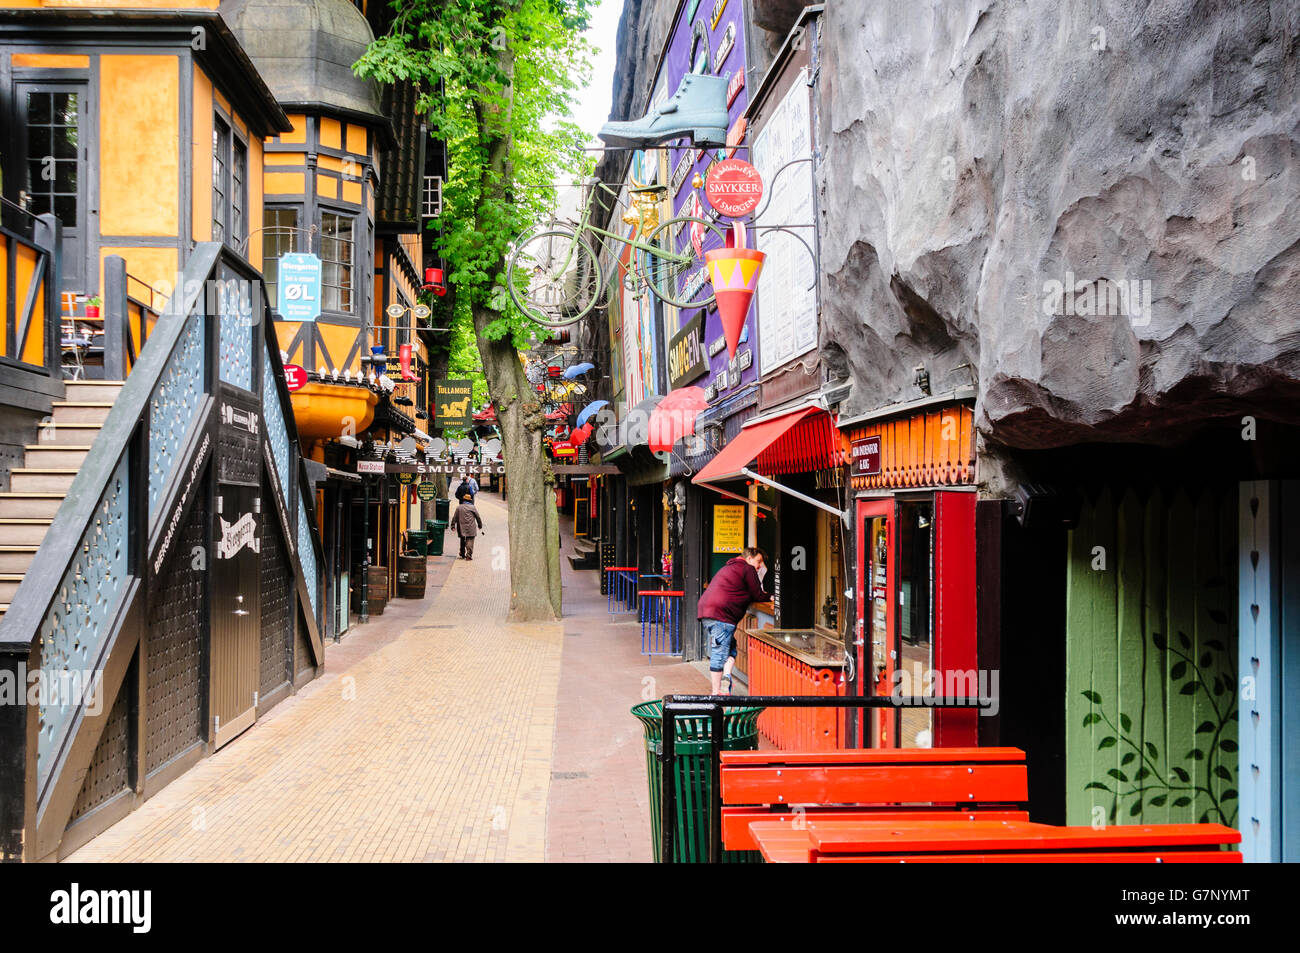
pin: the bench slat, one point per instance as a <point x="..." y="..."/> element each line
<point x="852" y="836"/>
<point x="871" y="784"/>
<point x="1082" y="857"/>
<point x="736" y="834"/>
<point x="874" y="756"/>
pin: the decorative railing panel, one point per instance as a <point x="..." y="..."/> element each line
<point x="277" y="434"/>
<point x="236" y="349"/>
<point x="307" y="555"/>
<point x="174" y="407"/>
<point x="84" y="605"/>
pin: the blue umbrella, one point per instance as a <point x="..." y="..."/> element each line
<point x="571" y="372"/>
<point x="591" y="410"/>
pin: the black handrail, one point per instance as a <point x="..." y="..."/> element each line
<point x="712" y="706"/>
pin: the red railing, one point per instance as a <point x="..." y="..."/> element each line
<point x="774" y="672"/>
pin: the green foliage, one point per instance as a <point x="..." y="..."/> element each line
<point x="495" y="81"/>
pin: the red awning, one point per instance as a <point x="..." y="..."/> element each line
<point x="749" y="443"/>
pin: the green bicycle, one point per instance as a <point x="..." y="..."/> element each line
<point x="555" y="276"/>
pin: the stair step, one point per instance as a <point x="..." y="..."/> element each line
<point x="4" y="607"/>
<point x="68" y="412"/>
<point x="92" y="390"/>
<point x="69" y="434"/>
<point x="9" y="583"/>
<point x="39" y="456"/>
<point x="29" y="505"/>
<point x="23" y="532"/>
<point x="41" y="479"/>
<point x="16" y="559"/>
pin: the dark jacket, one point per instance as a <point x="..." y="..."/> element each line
<point x="730" y="592"/>
<point x="466" y="519"/>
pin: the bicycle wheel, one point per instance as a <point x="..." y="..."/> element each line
<point x="672" y="276"/>
<point x="554" y="278"/>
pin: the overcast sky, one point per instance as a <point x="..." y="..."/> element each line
<point x="592" y="109"/>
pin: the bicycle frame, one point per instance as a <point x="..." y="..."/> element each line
<point x="585" y="228"/>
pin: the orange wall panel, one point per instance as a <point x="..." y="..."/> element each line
<point x="357" y="139"/>
<point x="51" y="61"/>
<point x="327" y="188"/>
<point x="352" y="192"/>
<point x="299" y="133"/>
<point x="285" y="183"/>
<point x="331" y="133"/>
<point x="201" y="200"/>
<point x="139" y="128"/>
<point x="157" y="267"/>
<point x="255" y="158"/>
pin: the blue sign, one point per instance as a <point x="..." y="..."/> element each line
<point x="299" y="287"/>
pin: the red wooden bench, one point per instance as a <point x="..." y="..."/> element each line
<point x="934" y="840"/>
<point x="890" y="784"/>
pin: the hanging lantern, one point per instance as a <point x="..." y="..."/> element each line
<point x="434" y="281"/>
<point x="734" y="272"/>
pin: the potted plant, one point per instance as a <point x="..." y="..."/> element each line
<point x="92" y="306"/>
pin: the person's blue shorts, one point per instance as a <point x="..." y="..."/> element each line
<point x="722" y="642"/>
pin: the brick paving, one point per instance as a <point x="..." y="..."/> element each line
<point x="428" y="738"/>
<point x="437" y="733"/>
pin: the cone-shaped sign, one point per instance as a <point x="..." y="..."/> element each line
<point x="734" y="273"/>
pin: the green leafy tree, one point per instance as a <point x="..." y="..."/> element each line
<point x="496" y="79"/>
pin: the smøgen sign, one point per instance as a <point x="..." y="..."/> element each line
<point x="734" y="187"/>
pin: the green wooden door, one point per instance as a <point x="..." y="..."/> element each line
<point x="1151" y="700"/>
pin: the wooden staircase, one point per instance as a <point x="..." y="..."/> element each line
<point x="37" y="489"/>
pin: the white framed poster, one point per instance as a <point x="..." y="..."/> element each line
<point x="787" y="294"/>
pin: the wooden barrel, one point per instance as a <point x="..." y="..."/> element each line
<point x="377" y="579"/>
<point x="410" y="577"/>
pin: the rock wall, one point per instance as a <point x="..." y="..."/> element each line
<point x="1091" y="209"/>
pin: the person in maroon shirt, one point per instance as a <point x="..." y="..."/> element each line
<point x="723" y="605"/>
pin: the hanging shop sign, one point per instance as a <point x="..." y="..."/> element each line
<point x="686" y="359"/>
<point x="734" y="187"/>
<point x="680" y="172"/>
<point x="295" y="377"/>
<point x="728" y="528"/>
<point x="718" y="7"/>
<point x="370" y="466"/>
<point x="716" y="346"/>
<point x="452" y="403"/>
<point x="735" y="86"/>
<point x="699" y="59"/>
<point x="405" y="478"/>
<point x="299" y="287"/>
<point x="235" y="536"/>
<point x="418" y="469"/>
<point x="865" y="455"/>
<point x="427" y="491"/>
<point x="724" y="47"/>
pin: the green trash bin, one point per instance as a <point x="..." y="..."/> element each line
<point x="436" y="535"/>
<point x="418" y="540"/>
<point x="441" y="508"/>
<point x="693" y="779"/>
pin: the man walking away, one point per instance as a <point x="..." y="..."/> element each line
<point x="723" y="605"/>
<point x="468" y="523"/>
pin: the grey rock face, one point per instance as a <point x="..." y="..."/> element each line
<point x="1094" y="205"/>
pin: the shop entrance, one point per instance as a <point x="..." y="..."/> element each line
<point x="236" y="602"/>
<point x="916" y="623"/>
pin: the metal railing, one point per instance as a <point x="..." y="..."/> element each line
<point x="661" y="622"/>
<point x="712" y="707"/>
<point x="621" y="583"/>
<point x="29" y="257"/>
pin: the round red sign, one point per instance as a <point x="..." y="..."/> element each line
<point x="295" y="378"/>
<point x="733" y="187"/>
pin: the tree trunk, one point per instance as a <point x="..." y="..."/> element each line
<point x="534" y="523"/>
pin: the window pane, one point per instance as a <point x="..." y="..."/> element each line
<point x="52" y="155"/>
<point x="238" y="201"/>
<point x="337" y="262"/>
<point x="39" y="111"/>
<point x="278" y="238"/>
<point x="220" y="179"/>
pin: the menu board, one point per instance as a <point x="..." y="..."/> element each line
<point x="728" y="529"/>
<point x="787" y="295"/>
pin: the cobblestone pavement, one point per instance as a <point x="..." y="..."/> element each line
<point x="429" y="737"/>
<point x="438" y="732"/>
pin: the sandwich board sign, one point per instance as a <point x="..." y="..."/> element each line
<point x="299" y="287"/>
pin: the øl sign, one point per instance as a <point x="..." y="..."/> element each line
<point x="295" y="377"/>
<point x="299" y="287"/>
<point x="733" y="187"/>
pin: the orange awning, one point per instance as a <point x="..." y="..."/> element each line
<point x="741" y="452"/>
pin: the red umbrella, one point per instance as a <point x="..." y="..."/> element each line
<point x="674" y="417"/>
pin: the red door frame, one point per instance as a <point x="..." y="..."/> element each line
<point x="955" y="645"/>
<point x="884" y="730"/>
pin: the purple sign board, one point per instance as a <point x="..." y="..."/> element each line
<point x="709" y="37"/>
